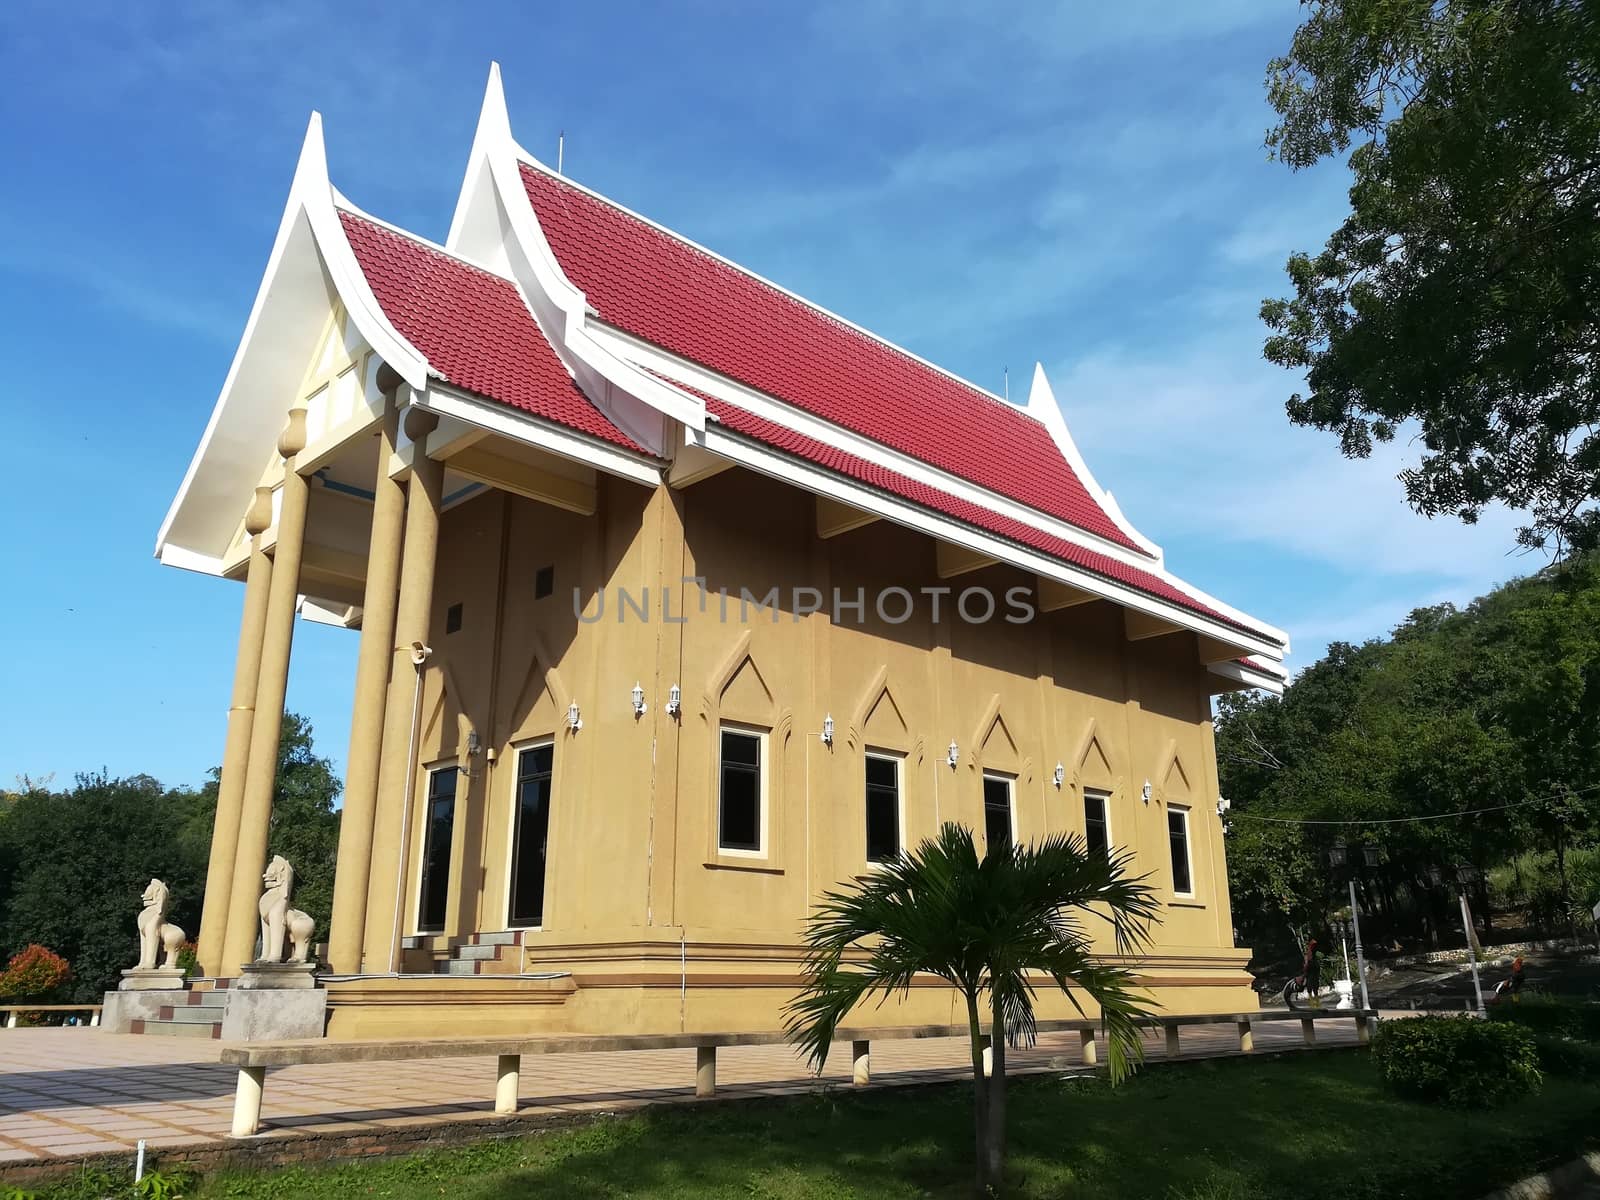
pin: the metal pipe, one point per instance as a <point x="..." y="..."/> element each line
<point x="1361" y="962"/>
<point x="419" y="660"/>
<point x="1472" y="954"/>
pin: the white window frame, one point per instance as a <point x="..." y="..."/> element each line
<point x="1188" y="848"/>
<point x="763" y="789"/>
<point x="1105" y="806"/>
<point x="1011" y="805"/>
<point x="513" y="808"/>
<point x="899" y="761"/>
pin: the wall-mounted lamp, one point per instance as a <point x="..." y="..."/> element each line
<point x="639" y="706"/>
<point x="1144" y="792"/>
<point x="1058" y="775"/>
<point x="954" y="756"/>
<point x="827" y="730"/>
<point x="1223" y="805"/>
<point x="474" y="743"/>
<point x="674" y="701"/>
<point x="574" y="717"/>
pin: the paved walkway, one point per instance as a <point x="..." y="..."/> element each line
<point x="65" y="1093"/>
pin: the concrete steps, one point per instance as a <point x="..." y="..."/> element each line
<point x="493" y="953"/>
<point x="200" y="1016"/>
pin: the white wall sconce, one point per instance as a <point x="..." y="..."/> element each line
<point x="1144" y="792"/>
<point x="674" y="701"/>
<point x="1223" y="805"/>
<point x="954" y="756"/>
<point x="574" y="717"/>
<point x="474" y="743"/>
<point x="637" y="695"/>
<point x="827" y="730"/>
<point x="1059" y="775"/>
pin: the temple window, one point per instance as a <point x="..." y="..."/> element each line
<point x="741" y="815"/>
<point x="883" y="808"/>
<point x="998" y="818"/>
<point x="1178" y="836"/>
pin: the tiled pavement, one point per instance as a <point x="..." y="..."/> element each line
<point x="65" y="1093"/>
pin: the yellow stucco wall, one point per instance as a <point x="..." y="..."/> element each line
<point x="659" y="929"/>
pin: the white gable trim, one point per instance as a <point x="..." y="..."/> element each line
<point x="240" y="434"/>
<point x="1043" y="407"/>
<point x="620" y="390"/>
<point x="1239" y="673"/>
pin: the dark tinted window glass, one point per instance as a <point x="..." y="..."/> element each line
<point x="544" y="582"/>
<point x="436" y="849"/>
<point x="1097" y="830"/>
<point x="997" y="811"/>
<point x="452" y="618"/>
<point x="1178" y="835"/>
<point x="883" y="809"/>
<point x="739" y="825"/>
<point x="531" y="837"/>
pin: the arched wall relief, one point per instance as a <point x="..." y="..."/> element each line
<point x="879" y="718"/>
<point x="1172" y="777"/>
<point x="1091" y="765"/>
<point x="738" y="692"/>
<point x="542" y="698"/>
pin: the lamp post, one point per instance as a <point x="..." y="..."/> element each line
<point x="1466" y="875"/>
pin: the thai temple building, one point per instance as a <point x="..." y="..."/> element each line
<point x="680" y="601"/>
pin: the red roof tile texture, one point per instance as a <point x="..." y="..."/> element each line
<point x="924" y="496"/>
<point x="660" y="288"/>
<point x="472" y="327"/>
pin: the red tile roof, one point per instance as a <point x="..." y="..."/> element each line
<point x="472" y="327"/>
<point x="672" y="294"/>
<point x="787" y="440"/>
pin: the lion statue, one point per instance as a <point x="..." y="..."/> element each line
<point x="155" y="934"/>
<point x="277" y="918"/>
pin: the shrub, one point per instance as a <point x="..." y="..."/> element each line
<point x="1560" y="1016"/>
<point x="1459" y="1061"/>
<point x="34" y="973"/>
<point x="1567" y="1057"/>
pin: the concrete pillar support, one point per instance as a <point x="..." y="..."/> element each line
<point x="354" y="864"/>
<point x="507" y="1079"/>
<point x="1173" y="1047"/>
<point x="247" y="1101"/>
<point x="1308" y="1030"/>
<point x="255" y="815"/>
<point x="236" y="749"/>
<point x="1091" y="1054"/>
<point x="398" y="761"/>
<point x="861" y="1063"/>
<point x="705" y="1071"/>
<point x="1247" y="1038"/>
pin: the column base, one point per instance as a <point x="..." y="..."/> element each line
<point x="265" y="976"/>
<point x="147" y="979"/>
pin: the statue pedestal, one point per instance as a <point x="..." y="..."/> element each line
<point x="267" y="976"/>
<point x="149" y="979"/>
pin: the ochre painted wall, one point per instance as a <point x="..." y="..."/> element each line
<point x="659" y="929"/>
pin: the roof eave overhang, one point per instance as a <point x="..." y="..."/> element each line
<point x="506" y="421"/>
<point x="1248" y="677"/>
<point x="758" y="457"/>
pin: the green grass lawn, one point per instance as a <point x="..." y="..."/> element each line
<point x="1294" y="1125"/>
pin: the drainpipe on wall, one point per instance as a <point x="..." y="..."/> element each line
<point x="419" y="660"/>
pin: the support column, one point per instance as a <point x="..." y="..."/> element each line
<point x="1086" y="1043"/>
<point x="354" y="864"/>
<point x="236" y="750"/>
<point x="398" y="764"/>
<point x="861" y="1063"/>
<point x="260" y="782"/>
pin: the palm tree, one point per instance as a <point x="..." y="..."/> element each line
<point x="993" y="925"/>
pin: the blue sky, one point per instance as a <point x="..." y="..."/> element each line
<point x="1082" y="184"/>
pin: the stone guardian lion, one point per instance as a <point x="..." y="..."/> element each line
<point x="155" y="934"/>
<point x="277" y="918"/>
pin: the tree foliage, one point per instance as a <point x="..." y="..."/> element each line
<point x="74" y="862"/>
<point x="1492" y="707"/>
<point x="1460" y="296"/>
<point x="995" y="928"/>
